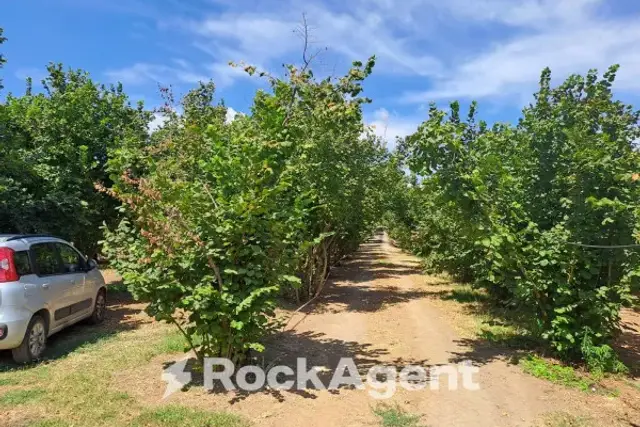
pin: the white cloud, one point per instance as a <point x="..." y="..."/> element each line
<point x="453" y="48"/>
<point x="391" y="126"/>
<point x="566" y="42"/>
<point x="271" y="37"/>
<point x="231" y="115"/>
<point x="158" y="121"/>
<point x="225" y="74"/>
<point x="366" y="32"/>
<point x="521" y="13"/>
<point x="36" y="74"/>
<point x="254" y="35"/>
<point x="141" y="72"/>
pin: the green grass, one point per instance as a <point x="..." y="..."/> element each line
<point x="49" y="423"/>
<point x="21" y="397"/>
<point x="173" y="342"/>
<point x="465" y="294"/>
<point x="506" y="335"/>
<point x="395" y="416"/>
<point x="559" y="374"/>
<point x="80" y="387"/>
<point x="8" y="381"/>
<point x="179" y="416"/>
<point x="505" y="327"/>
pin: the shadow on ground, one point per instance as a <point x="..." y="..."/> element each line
<point x="123" y="315"/>
<point x="348" y="288"/>
<point x="503" y="333"/>
<point x="463" y="296"/>
<point x="361" y="299"/>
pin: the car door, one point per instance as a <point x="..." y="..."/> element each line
<point x="75" y="268"/>
<point x="50" y="282"/>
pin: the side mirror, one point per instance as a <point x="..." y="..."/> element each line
<point x="92" y="264"/>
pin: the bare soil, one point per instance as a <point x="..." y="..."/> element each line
<point x="379" y="309"/>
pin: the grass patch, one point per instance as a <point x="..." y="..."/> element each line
<point x="8" y="381"/>
<point x="559" y="374"/>
<point x="486" y="323"/>
<point x="179" y="416"/>
<point x="465" y="294"/>
<point x="79" y="387"/>
<point x="68" y="342"/>
<point x="507" y="335"/>
<point x="49" y="423"/>
<point x="173" y="342"/>
<point x="395" y="416"/>
<point x="21" y="397"/>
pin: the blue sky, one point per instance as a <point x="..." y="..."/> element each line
<point x="428" y="50"/>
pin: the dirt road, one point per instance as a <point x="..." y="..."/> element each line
<point x="378" y="309"/>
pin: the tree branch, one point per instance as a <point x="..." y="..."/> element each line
<point x="306" y="60"/>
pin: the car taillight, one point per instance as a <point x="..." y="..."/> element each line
<point x="8" y="271"/>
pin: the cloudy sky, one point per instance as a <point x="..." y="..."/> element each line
<point x="428" y="50"/>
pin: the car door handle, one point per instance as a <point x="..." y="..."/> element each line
<point x="45" y="286"/>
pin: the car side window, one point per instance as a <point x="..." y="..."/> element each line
<point x="46" y="259"/>
<point x="23" y="266"/>
<point x="71" y="260"/>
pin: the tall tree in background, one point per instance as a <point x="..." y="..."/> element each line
<point x="55" y="148"/>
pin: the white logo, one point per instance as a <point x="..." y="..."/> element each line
<point x="176" y="376"/>
<point x="381" y="380"/>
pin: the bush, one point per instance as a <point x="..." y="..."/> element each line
<point x="220" y="217"/>
<point x="514" y="209"/>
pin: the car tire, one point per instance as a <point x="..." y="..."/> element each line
<point x="34" y="342"/>
<point x="99" y="308"/>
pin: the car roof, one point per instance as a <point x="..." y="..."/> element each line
<point x="9" y="237"/>
<point x="19" y="242"/>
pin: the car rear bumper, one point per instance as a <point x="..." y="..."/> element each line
<point x="13" y="325"/>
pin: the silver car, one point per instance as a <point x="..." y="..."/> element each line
<point x="45" y="286"/>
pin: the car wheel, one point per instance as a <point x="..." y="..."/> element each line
<point x="33" y="343"/>
<point x="100" y="308"/>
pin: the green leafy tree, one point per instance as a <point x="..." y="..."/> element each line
<point x="55" y="149"/>
<point x="222" y="217"/>
<point x="535" y="213"/>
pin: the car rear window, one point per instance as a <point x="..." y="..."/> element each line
<point x="21" y="260"/>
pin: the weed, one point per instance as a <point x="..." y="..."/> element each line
<point x="559" y="374"/>
<point x="601" y="359"/>
<point x="395" y="416"/>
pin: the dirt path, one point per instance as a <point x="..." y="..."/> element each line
<point x="377" y="310"/>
